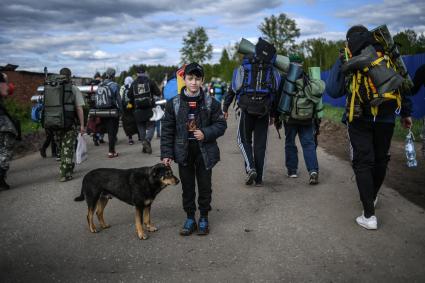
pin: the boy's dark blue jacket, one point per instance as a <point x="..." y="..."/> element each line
<point x="174" y="134"/>
<point x="336" y="87"/>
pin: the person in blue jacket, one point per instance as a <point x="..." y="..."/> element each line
<point x="370" y="133"/>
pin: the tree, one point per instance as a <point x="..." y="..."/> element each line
<point x="320" y="52"/>
<point x="196" y="47"/>
<point x="281" y="31"/>
<point x="409" y="42"/>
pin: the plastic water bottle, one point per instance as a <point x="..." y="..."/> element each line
<point x="410" y="150"/>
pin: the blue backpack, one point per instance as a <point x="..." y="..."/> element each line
<point x="36" y="112"/>
<point x="255" y="82"/>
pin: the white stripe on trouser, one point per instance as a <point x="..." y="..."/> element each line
<point x="240" y="144"/>
<point x="351" y="152"/>
<point x="265" y="152"/>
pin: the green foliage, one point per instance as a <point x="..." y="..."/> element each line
<point x="320" y="52"/>
<point x="22" y="112"/>
<point x="409" y="42"/>
<point x="155" y="72"/>
<point x="281" y="31"/>
<point x="196" y="47"/>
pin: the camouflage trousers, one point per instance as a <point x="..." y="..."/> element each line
<point x="66" y="140"/>
<point x="7" y="142"/>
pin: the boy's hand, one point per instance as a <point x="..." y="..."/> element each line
<point x="226" y="115"/>
<point x="167" y="161"/>
<point x="199" y="135"/>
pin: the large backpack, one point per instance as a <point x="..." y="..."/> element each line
<point x="142" y="93"/>
<point x="103" y="97"/>
<point x="256" y="80"/>
<point x="307" y="100"/>
<point x="59" y="104"/>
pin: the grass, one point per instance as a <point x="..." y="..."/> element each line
<point x="335" y="113"/>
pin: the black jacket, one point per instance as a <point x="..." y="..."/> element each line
<point x="174" y="134"/>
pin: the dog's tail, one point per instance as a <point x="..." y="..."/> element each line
<point x="80" y="197"/>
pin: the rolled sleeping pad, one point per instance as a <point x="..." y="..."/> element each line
<point x="294" y="72"/>
<point x="82" y="88"/>
<point x="246" y="47"/>
<point x="103" y="113"/>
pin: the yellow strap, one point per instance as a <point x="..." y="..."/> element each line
<point x="353" y="97"/>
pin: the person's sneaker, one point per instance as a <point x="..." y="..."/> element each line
<point x="250" y="177"/>
<point x="259" y="184"/>
<point x="189" y="227"/>
<point x="65" y="178"/>
<point x="203" y="228"/>
<point x="292" y="174"/>
<point x="96" y="142"/>
<point x="101" y="141"/>
<point x="147" y="148"/>
<point x="130" y="142"/>
<point x="58" y="158"/>
<point x="370" y="223"/>
<point x="314" y="178"/>
<point x="43" y="152"/>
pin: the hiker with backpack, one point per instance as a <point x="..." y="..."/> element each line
<point x="93" y="124"/>
<point x="255" y="84"/>
<point x="108" y="107"/>
<point x="128" y="121"/>
<point x="10" y="132"/>
<point x="62" y="112"/>
<point x="142" y="95"/>
<point x="372" y="105"/>
<point x="300" y="118"/>
<point x="192" y="123"/>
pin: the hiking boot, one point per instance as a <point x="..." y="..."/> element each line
<point x="101" y="141"/>
<point x="314" y="178"/>
<point x="96" y="142"/>
<point x="65" y="178"/>
<point x="189" y="227"/>
<point x="147" y="148"/>
<point x="370" y="223"/>
<point x="3" y="185"/>
<point x="250" y="177"/>
<point x="203" y="228"/>
<point x="43" y="152"/>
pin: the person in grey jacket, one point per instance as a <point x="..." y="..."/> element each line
<point x="9" y="133"/>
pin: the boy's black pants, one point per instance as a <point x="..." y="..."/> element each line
<point x="254" y="156"/>
<point x="195" y="169"/>
<point x="112" y="126"/>
<point x="370" y="143"/>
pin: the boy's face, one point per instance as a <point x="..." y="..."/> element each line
<point x="193" y="82"/>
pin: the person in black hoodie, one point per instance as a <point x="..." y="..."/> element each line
<point x="9" y="133"/>
<point x="370" y="135"/>
<point x="142" y="94"/>
<point x="192" y="123"/>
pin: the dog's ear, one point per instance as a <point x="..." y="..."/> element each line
<point x="157" y="169"/>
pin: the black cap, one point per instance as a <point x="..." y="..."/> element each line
<point x="356" y="29"/>
<point x="194" y="69"/>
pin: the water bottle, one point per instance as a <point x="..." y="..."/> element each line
<point x="410" y="150"/>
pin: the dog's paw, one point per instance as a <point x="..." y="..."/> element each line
<point x="152" y="228"/>
<point x="142" y="236"/>
<point x="106" y="226"/>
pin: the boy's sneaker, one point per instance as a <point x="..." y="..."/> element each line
<point x="370" y="223"/>
<point x="203" y="228"/>
<point x="250" y="177"/>
<point x="314" y="178"/>
<point x="189" y="227"/>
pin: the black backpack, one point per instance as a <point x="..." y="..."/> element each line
<point x="59" y="111"/>
<point x="142" y="93"/>
<point x="104" y="99"/>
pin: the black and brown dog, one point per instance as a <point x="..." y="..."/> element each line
<point x="137" y="187"/>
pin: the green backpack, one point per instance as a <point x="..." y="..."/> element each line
<point x="59" y="104"/>
<point x="307" y="102"/>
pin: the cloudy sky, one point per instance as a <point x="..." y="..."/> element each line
<point x="92" y="35"/>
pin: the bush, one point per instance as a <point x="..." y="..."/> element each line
<point x="22" y="112"/>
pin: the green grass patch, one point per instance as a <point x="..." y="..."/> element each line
<point x="335" y="114"/>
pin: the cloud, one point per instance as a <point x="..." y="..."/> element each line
<point x="398" y="15"/>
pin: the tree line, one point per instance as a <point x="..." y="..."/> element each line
<point x="282" y="32"/>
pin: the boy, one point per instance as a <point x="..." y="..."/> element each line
<point x="192" y="123"/>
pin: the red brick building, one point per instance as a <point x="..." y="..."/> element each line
<point x="25" y="82"/>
